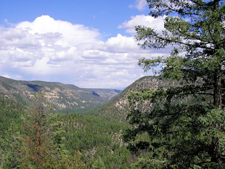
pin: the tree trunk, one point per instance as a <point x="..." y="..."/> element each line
<point x="218" y="89"/>
<point x="215" y="150"/>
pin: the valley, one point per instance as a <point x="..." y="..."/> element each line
<point x="91" y="121"/>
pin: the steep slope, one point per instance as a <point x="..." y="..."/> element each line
<point x="61" y="96"/>
<point x="118" y="107"/>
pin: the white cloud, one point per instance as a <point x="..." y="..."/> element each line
<point x="5" y="75"/>
<point x="55" y="50"/>
<point x="122" y="43"/>
<point x="143" y="20"/>
<point x="140" y="5"/>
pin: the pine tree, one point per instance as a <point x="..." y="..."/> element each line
<point x="185" y="123"/>
<point x="42" y="143"/>
<point x="41" y="133"/>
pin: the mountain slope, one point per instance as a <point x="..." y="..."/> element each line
<point x="118" y="107"/>
<point x="61" y="96"/>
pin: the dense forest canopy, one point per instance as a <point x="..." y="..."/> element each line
<point x="33" y="137"/>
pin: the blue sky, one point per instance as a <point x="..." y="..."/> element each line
<point x="104" y="15"/>
<point x="86" y="43"/>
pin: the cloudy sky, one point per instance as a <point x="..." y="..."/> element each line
<point x="87" y="43"/>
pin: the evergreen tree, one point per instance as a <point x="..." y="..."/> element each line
<point x="185" y="123"/>
<point x="42" y="137"/>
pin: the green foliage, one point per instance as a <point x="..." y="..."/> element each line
<point x="10" y="148"/>
<point x="120" y="158"/>
<point x="86" y="132"/>
<point x="98" y="164"/>
<point x="9" y="111"/>
<point x="38" y="135"/>
<point x="39" y="143"/>
<point x="184" y="123"/>
<point x="42" y="138"/>
<point x="147" y="162"/>
<point x="61" y="141"/>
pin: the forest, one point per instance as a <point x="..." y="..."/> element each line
<point x="34" y="137"/>
<point x="168" y="126"/>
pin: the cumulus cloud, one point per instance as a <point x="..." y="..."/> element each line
<point x="140" y="5"/>
<point x="143" y="20"/>
<point x="55" y="50"/>
<point x="122" y="44"/>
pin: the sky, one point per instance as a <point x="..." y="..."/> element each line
<point x="87" y="43"/>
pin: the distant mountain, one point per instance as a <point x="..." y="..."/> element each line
<point x="118" y="107"/>
<point x="61" y="96"/>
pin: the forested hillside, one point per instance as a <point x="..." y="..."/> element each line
<point x="62" y="97"/>
<point x="118" y="107"/>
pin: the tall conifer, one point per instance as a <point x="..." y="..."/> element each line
<point x="185" y="123"/>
